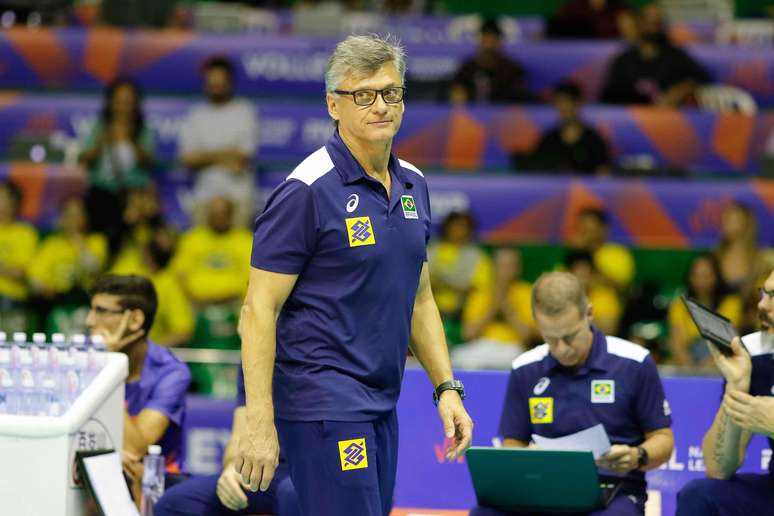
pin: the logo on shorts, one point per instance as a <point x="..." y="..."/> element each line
<point x="352" y="202"/>
<point x="353" y="454"/>
<point x="667" y="410"/>
<point x="409" y="207"/>
<point x="360" y="231"/>
<point x="603" y="391"/>
<point x="541" y="386"/>
<point x="541" y="411"/>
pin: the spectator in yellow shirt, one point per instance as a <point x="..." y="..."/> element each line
<point x="68" y="260"/>
<point x="614" y="262"/>
<point x="18" y="241"/>
<point x="502" y="310"/>
<point x="607" y="309"/>
<point x="704" y="284"/>
<point x="174" y="321"/>
<point x="457" y="264"/>
<point x="497" y="322"/>
<point x="141" y="217"/>
<point x="213" y="260"/>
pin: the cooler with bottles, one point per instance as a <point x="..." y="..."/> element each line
<point x="56" y="397"/>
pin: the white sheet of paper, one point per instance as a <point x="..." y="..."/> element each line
<point x="107" y="481"/>
<point x="593" y="439"/>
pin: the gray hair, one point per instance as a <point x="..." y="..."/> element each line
<point x="363" y="56"/>
<point x="554" y="292"/>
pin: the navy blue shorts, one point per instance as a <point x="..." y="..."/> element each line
<point x="197" y="496"/>
<point x="742" y="495"/>
<point x="341" y="467"/>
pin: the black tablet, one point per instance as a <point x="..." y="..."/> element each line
<point x="712" y="326"/>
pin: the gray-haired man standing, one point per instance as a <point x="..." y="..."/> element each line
<point x="339" y="285"/>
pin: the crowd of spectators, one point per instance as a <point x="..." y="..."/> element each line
<point x="118" y="225"/>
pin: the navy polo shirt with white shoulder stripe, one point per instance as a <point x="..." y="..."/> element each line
<point x="343" y="333"/>
<point x="762" y="377"/>
<point x="618" y="386"/>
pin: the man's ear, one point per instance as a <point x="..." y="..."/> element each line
<point x="333" y="108"/>
<point x="590" y="312"/>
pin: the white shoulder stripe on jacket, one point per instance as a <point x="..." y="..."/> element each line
<point x="409" y="166"/>
<point x="626" y="349"/>
<point x="533" y="355"/>
<point x="753" y="343"/>
<point x="313" y="167"/>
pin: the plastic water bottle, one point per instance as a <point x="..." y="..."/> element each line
<point x="56" y="358"/>
<point x="53" y="381"/>
<point x="8" y="393"/>
<point x="51" y="398"/>
<point x="29" y="396"/>
<point x="39" y="358"/>
<point x="152" y="479"/>
<point x="94" y="359"/>
<point x="71" y="380"/>
<point x="17" y="349"/>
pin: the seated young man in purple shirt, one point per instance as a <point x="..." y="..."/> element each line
<point x="122" y="312"/>
<point x="580" y="378"/>
<point x="225" y="494"/>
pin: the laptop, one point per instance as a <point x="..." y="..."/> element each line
<point x="513" y="479"/>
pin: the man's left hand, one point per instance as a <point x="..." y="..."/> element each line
<point x="621" y="459"/>
<point x="752" y="413"/>
<point x="133" y="467"/>
<point x="456" y="423"/>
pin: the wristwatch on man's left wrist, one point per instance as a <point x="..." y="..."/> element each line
<point x="642" y="457"/>
<point x="451" y="385"/>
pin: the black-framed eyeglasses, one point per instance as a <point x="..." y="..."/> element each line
<point x="391" y="95"/>
<point x="101" y="310"/>
<point x="762" y="292"/>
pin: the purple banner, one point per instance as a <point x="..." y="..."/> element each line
<point x="656" y="213"/>
<point x="427" y="480"/>
<point x="170" y="61"/>
<point x="435" y="136"/>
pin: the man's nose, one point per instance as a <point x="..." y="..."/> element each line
<point x="379" y="105"/>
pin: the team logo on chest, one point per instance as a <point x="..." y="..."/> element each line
<point x="541" y="411"/>
<point x="603" y="391"/>
<point x="360" y="231"/>
<point x="409" y="207"/>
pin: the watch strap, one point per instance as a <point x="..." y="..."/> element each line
<point x="451" y="385"/>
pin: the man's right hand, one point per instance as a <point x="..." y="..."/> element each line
<point x="230" y="489"/>
<point x="735" y="368"/>
<point x="257" y="455"/>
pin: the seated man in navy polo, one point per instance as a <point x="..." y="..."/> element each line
<point x="747" y="409"/>
<point x="580" y="378"/>
<point x="225" y="493"/>
<point x="122" y="312"/>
